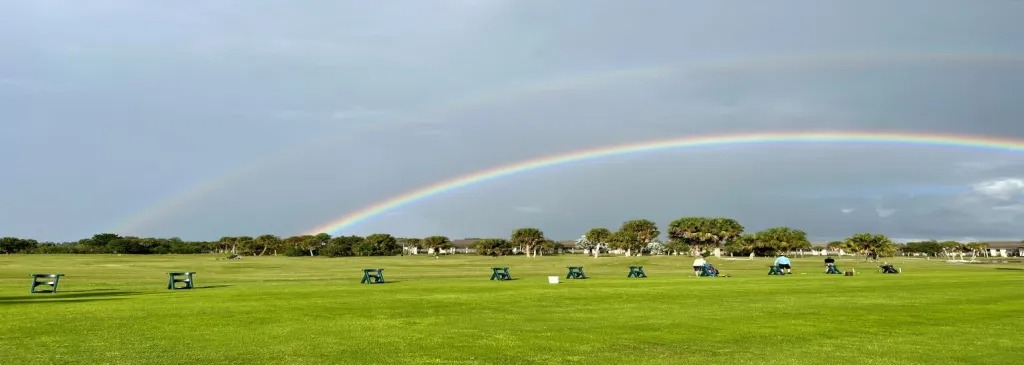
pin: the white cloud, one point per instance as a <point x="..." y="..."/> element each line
<point x="358" y="113"/>
<point x="292" y="114"/>
<point x="353" y="114"/>
<point x="882" y="212"/>
<point x="28" y="86"/>
<point x="1003" y="189"/>
<point x="529" y="209"/>
<point x="1010" y="207"/>
<point x="847" y="210"/>
<point x="973" y="168"/>
<point x="432" y="132"/>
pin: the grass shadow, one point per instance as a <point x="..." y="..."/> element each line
<point x="70" y="296"/>
<point x="108" y="290"/>
<point x="384" y="282"/>
<point x="61" y="301"/>
<point x="214" y="286"/>
<point x="1010" y="268"/>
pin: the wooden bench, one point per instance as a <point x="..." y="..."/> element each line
<point x="372" y="276"/>
<point x="500" y="273"/>
<point x="50" y="280"/>
<point x="636" y="272"/>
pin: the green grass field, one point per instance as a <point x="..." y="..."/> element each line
<point x="280" y="310"/>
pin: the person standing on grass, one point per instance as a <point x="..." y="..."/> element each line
<point x="698" y="265"/>
<point x="829" y="261"/>
<point x="783" y="263"/>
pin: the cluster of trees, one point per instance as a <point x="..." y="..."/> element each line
<point x="704" y="236"/>
<point x="105" y="243"/>
<point x="945" y="248"/>
<point x="693" y="235"/>
<point x="690" y="235"/>
<point x="527" y="240"/>
<point x="323" y="244"/>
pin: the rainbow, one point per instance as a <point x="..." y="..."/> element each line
<point x="513" y="93"/>
<point x="693" y="142"/>
<point x="181" y="199"/>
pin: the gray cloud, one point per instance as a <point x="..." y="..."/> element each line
<point x="311" y="112"/>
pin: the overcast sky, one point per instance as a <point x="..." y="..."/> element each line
<point x="212" y="118"/>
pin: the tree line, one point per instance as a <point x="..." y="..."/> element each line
<point x="322" y="244"/>
<point x="687" y="235"/>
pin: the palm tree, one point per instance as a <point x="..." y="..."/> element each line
<point x="598" y="238"/>
<point x="975" y="247"/>
<point x="437" y="243"/>
<point x="865" y="243"/>
<point x="700" y="232"/>
<point x="635" y="234"/>
<point x="725" y="230"/>
<point x="245" y="242"/>
<point x="527" y="238"/>
<point x="227" y="242"/>
<point x="267" y="241"/>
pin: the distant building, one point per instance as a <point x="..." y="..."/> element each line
<point x="1005" y="249"/>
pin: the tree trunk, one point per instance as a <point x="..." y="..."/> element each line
<point x="311" y="252"/>
<point x="263" y="251"/>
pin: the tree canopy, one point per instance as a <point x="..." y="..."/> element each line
<point x="527" y="239"/>
<point x="697" y="235"/>
<point x="701" y="233"/>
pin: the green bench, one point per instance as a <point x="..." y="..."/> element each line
<point x="775" y="270"/>
<point x="50" y="280"/>
<point x="500" y="273"/>
<point x="636" y="272"/>
<point x="372" y="276"/>
<point x="183" y="277"/>
<point x="575" y="272"/>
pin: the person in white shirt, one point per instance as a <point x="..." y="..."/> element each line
<point x="698" y="265"/>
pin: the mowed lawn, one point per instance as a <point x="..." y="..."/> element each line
<point x="298" y="310"/>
